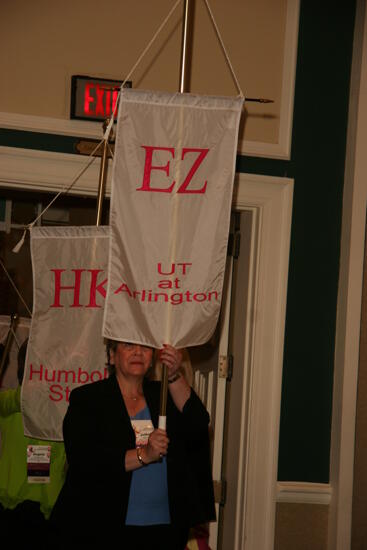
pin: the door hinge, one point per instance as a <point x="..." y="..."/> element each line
<point x="226" y="367"/>
<point x="220" y="491"/>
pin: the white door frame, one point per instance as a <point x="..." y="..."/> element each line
<point x="220" y="396"/>
<point x="271" y="200"/>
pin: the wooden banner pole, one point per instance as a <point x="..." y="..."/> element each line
<point x="102" y="176"/>
<point x="183" y="74"/>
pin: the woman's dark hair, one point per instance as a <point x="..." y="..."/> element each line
<point x="111" y="345"/>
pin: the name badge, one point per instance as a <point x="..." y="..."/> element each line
<point x="142" y="429"/>
<point x="38" y="463"/>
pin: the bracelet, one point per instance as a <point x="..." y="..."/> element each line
<point x="174" y="378"/>
<point x="141" y="461"/>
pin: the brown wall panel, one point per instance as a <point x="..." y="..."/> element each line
<point x="301" y="526"/>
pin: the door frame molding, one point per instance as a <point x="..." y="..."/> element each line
<point x="271" y="200"/>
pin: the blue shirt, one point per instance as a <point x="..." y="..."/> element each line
<point x="148" y="498"/>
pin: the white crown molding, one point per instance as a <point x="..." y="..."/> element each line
<point x="44" y="171"/>
<point x="304" y="493"/>
<point x="47" y="125"/>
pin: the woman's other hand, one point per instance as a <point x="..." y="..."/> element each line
<point x="157" y="446"/>
<point x="178" y="386"/>
<point x="172" y="358"/>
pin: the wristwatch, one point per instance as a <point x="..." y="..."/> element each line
<point x="174" y="378"/>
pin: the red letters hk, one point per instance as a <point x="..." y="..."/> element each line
<point x="76" y="287"/>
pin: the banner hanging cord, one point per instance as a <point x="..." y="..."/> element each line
<point x="13" y="332"/>
<point x="110" y="150"/>
<point x="146" y="49"/>
<point x="226" y="55"/>
<point x="15" y="337"/>
<point x="15" y="288"/>
<point x="224" y="49"/>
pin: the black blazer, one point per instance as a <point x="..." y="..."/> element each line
<point x="97" y="434"/>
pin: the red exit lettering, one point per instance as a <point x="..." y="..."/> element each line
<point x="99" y="101"/>
<point x="184" y="186"/>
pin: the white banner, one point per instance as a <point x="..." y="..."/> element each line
<point x="66" y="347"/>
<point x="172" y="185"/>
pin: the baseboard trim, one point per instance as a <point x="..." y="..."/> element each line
<point x="304" y="493"/>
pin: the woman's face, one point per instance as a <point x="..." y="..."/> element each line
<point x="132" y="359"/>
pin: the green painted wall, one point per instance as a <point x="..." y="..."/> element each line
<point x="317" y="165"/>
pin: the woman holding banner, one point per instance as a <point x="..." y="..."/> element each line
<point x="127" y="479"/>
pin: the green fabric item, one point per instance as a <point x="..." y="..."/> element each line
<point x="14" y="486"/>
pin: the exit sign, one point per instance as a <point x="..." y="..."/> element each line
<point x="93" y="98"/>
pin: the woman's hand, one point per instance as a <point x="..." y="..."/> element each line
<point x="157" y="446"/>
<point x="179" y="389"/>
<point x="172" y="358"/>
